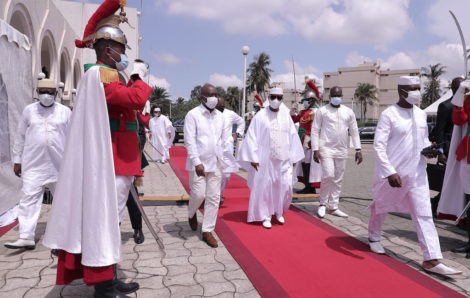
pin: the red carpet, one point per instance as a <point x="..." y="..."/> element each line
<point x="306" y="257"/>
<point x="5" y="229"/>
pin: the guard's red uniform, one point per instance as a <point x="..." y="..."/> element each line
<point x="305" y="119"/>
<point x="460" y="116"/>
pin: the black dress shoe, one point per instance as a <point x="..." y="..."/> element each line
<point x="55" y="252"/>
<point x="465" y="248"/>
<point x="126" y="288"/>
<point x="307" y="190"/>
<point x="193" y="222"/>
<point x="107" y="289"/>
<point x="139" y="236"/>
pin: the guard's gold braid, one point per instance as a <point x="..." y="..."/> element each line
<point x="108" y="75"/>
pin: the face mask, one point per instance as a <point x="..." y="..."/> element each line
<point x="46" y="99"/>
<point x="274" y="103"/>
<point x="336" y="101"/>
<point x="306" y="104"/>
<point x="414" y="97"/>
<point x="221" y="109"/>
<point x="121" y="65"/>
<point x="211" y="102"/>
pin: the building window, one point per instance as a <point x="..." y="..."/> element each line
<point x="4" y="127"/>
<point x="383" y="90"/>
<point x="384" y="75"/>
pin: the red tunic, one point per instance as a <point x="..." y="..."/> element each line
<point x="460" y="116"/>
<point x="305" y="119"/>
<point x="123" y="101"/>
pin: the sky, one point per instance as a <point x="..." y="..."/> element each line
<point x="191" y="42"/>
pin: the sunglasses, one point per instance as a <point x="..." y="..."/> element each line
<point x="273" y="97"/>
<point x="47" y="92"/>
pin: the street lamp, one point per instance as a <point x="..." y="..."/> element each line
<point x="245" y="51"/>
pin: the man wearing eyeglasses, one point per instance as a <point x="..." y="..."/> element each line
<point x="269" y="152"/>
<point x="37" y="154"/>
<point x="205" y="140"/>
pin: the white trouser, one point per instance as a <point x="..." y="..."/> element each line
<point x="223" y="184"/>
<point x="29" y="210"/>
<point x="331" y="181"/>
<point x="123" y="186"/>
<point x="425" y="229"/>
<point x="205" y="188"/>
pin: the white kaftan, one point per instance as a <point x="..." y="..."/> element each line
<point x="400" y="136"/>
<point x="84" y="217"/>
<point x="230" y="119"/>
<point x="162" y="131"/>
<point x="273" y="142"/>
<point x="39" y="144"/>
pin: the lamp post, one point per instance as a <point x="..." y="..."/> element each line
<point x="61" y="88"/>
<point x="245" y="51"/>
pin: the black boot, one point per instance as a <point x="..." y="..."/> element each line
<point x="107" y="289"/>
<point x="306" y="172"/>
<point x="139" y="236"/>
<point x="122" y="287"/>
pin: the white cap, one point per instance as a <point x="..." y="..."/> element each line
<point x="277" y="91"/>
<point x="47" y="83"/>
<point x="157" y="110"/>
<point x="409" y="80"/>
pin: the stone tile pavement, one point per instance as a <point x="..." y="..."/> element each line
<point x="187" y="267"/>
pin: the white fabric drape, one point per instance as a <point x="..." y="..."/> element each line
<point x="84" y="217"/>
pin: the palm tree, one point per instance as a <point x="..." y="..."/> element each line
<point x="232" y="98"/>
<point x="259" y="74"/>
<point x="367" y="95"/>
<point x="432" y="90"/>
<point x="161" y="98"/>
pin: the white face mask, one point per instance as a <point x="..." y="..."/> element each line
<point x="274" y="103"/>
<point x="211" y="102"/>
<point x="414" y="97"/>
<point x="306" y="104"/>
<point x="46" y="99"/>
<point x="336" y="101"/>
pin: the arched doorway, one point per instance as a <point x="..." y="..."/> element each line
<point x="47" y="55"/>
<point x="77" y="74"/>
<point x="21" y="21"/>
<point x="65" y="69"/>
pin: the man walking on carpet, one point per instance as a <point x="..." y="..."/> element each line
<point x="37" y="155"/>
<point x="100" y="161"/>
<point x="269" y="151"/>
<point x="332" y="127"/>
<point x="205" y="141"/>
<point x="231" y="119"/>
<point x="162" y="134"/>
<point x="400" y="182"/>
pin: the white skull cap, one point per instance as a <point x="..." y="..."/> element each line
<point x="409" y="80"/>
<point x="276" y="91"/>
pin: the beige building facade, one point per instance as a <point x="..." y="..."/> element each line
<point x="385" y="82"/>
<point x="51" y="27"/>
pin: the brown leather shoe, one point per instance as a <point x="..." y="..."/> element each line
<point x="209" y="239"/>
<point x="193" y="222"/>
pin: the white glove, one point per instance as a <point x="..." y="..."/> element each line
<point x="459" y="96"/>
<point x="141" y="69"/>
<point x="146" y="109"/>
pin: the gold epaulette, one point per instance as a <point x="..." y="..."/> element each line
<point x="108" y="75"/>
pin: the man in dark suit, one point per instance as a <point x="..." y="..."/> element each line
<point x="442" y="133"/>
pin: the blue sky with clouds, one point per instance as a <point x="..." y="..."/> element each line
<point x="190" y="42"/>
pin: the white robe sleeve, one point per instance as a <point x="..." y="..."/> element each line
<point x="249" y="150"/>
<point x="240" y="124"/>
<point x="190" y="141"/>
<point x="315" y="134"/>
<point x="382" y="133"/>
<point x="296" y="151"/>
<point x="18" y="145"/>
<point x="353" y="131"/>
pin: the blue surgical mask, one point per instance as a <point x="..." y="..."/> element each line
<point x="336" y="101"/>
<point x="306" y="104"/>
<point x="123" y="64"/>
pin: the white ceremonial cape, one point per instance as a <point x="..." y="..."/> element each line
<point x="84" y="217"/>
<point x="161" y="127"/>
<point x="400" y="136"/>
<point x="452" y="199"/>
<point x="273" y="142"/>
